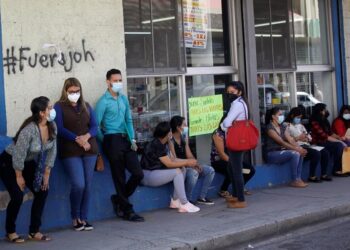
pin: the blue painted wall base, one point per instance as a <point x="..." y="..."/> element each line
<point x="57" y="210"/>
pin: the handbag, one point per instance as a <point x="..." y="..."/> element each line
<point x="346" y="161"/>
<point x="242" y="135"/>
<point x="99" y="166"/>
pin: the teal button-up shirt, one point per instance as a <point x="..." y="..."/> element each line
<point x="113" y="116"/>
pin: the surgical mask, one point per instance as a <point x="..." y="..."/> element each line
<point x="297" y="120"/>
<point x="346" y="116"/>
<point x="51" y="116"/>
<point x="74" y="97"/>
<point x="280" y="119"/>
<point x="185" y="131"/>
<point x="117" y="87"/>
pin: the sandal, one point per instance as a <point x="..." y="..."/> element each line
<point x="33" y="236"/>
<point x="16" y="239"/>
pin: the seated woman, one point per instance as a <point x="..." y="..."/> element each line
<point x="342" y="123"/>
<point x="160" y="168"/>
<point x="219" y="161"/>
<point x="298" y="136"/>
<point x="279" y="150"/>
<point x="323" y="136"/>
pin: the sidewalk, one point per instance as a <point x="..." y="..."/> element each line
<point x="269" y="211"/>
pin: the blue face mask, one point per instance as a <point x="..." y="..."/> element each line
<point x="297" y="120"/>
<point x="117" y="87"/>
<point x="280" y="119"/>
<point x="185" y="131"/>
<point x="52" y="115"/>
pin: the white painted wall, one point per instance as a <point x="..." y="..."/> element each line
<point x="33" y="23"/>
<point x="346" y="10"/>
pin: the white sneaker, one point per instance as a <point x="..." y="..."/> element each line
<point x="174" y="203"/>
<point x="188" y="208"/>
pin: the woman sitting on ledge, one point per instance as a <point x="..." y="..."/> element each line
<point x="278" y="150"/>
<point x="160" y="168"/>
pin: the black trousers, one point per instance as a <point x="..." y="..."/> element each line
<point x="315" y="158"/>
<point x="8" y="176"/>
<point x="222" y="168"/>
<point x="336" y="150"/>
<point x="120" y="156"/>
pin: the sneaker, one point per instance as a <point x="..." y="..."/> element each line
<point x="78" y="227"/>
<point x="87" y="226"/>
<point x="188" y="208"/>
<point x="205" y="201"/>
<point x="298" y="184"/>
<point x="174" y="203"/>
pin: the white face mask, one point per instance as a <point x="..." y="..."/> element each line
<point x="346" y="116"/>
<point x="51" y="116"/>
<point x="74" y="97"/>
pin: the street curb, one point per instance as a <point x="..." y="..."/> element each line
<point x="269" y="229"/>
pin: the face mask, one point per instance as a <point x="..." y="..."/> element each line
<point x="280" y="119"/>
<point x="74" y="97"/>
<point x="346" y="116"/>
<point x="231" y="97"/>
<point x="185" y="131"/>
<point x="117" y="87"/>
<point x="52" y="115"/>
<point x="297" y="120"/>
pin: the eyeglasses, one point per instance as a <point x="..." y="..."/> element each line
<point x="73" y="92"/>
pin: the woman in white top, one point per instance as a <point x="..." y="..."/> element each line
<point x="297" y="134"/>
<point x="238" y="112"/>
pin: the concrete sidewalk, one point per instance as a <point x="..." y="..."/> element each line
<point x="269" y="211"/>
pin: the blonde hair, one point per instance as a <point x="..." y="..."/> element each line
<point x="64" y="96"/>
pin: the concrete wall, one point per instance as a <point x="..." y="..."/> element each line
<point x="346" y="14"/>
<point x="90" y="36"/>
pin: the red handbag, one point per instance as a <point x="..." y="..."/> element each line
<point x="242" y="135"/>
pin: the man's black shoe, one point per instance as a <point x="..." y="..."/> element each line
<point x="133" y="217"/>
<point x="116" y="207"/>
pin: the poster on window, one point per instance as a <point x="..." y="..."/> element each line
<point x="205" y="113"/>
<point x="195" y="23"/>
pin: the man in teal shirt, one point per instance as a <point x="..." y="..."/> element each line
<point x="117" y="133"/>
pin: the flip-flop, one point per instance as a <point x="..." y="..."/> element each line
<point x="31" y="236"/>
<point x="16" y="240"/>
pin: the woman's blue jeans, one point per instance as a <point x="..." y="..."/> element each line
<point x="80" y="171"/>
<point x="293" y="157"/>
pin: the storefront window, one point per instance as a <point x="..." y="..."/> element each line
<point x="152" y="100"/>
<point x="310" y="27"/>
<point x="274" y="34"/>
<point x="313" y="88"/>
<point x="153" y="36"/>
<point x="274" y="91"/>
<point x="204" y="85"/>
<point x="206" y="33"/>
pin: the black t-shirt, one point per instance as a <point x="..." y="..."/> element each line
<point x="180" y="150"/>
<point x="152" y="152"/>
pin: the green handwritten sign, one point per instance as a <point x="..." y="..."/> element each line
<point x="204" y="114"/>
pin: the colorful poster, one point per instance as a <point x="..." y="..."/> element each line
<point x="204" y="114"/>
<point x="195" y="23"/>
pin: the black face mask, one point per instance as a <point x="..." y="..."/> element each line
<point x="231" y="97"/>
<point x="228" y="99"/>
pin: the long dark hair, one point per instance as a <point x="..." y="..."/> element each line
<point x="240" y="87"/>
<point x="270" y="113"/>
<point x="294" y="112"/>
<point x="319" y="118"/>
<point x="39" y="104"/>
<point x="341" y="113"/>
